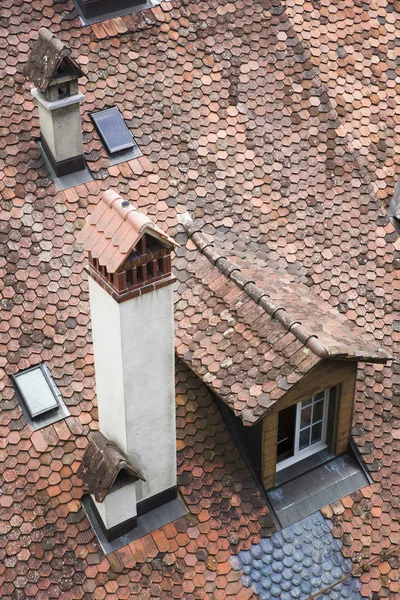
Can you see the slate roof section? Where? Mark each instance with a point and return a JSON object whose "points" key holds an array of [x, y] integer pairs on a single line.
{"points": [[101, 464], [298, 562], [114, 229], [47, 56]]}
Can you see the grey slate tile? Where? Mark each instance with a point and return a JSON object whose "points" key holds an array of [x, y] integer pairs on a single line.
{"points": [[300, 560]]}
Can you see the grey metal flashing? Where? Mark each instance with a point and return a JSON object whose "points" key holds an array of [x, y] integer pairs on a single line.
{"points": [[312, 491], [66, 181], [358, 456], [304, 466], [124, 156], [145, 524]]}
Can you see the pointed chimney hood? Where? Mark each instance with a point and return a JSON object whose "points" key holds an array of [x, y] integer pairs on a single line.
{"points": [[131, 300], [55, 74]]}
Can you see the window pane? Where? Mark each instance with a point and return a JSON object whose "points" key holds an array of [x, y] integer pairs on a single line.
{"points": [[113, 129], [318, 411], [316, 433], [306, 403], [304, 441], [305, 417], [319, 396], [36, 391]]}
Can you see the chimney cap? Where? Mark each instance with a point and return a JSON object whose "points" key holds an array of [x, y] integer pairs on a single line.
{"points": [[101, 465], [115, 227], [47, 57]]}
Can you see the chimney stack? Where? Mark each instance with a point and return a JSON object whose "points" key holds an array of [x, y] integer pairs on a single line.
{"points": [[55, 75], [131, 300]]}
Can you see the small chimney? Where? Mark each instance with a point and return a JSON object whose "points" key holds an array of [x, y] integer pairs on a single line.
{"points": [[55, 74], [131, 300]]}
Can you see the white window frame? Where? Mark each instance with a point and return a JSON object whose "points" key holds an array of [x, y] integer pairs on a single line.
{"points": [[314, 448]]}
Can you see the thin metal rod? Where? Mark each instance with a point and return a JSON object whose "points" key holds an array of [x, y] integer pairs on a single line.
{"points": [[384, 556]]}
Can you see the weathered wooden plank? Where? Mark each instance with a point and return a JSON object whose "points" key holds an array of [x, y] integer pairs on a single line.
{"points": [[345, 412], [325, 375], [270, 439]]}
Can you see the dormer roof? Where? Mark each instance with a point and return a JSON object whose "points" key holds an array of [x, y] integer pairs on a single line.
{"points": [[251, 334], [115, 228], [48, 58], [101, 464]]}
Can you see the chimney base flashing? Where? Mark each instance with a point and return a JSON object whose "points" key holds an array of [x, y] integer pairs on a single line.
{"points": [[66, 181], [63, 167], [157, 500], [116, 531], [129, 530]]}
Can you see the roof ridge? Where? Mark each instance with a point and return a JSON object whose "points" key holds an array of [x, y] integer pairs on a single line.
{"points": [[259, 296]]}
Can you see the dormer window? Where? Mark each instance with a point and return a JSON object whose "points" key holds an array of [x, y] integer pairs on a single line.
{"points": [[302, 429], [38, 396], [301, 450]]}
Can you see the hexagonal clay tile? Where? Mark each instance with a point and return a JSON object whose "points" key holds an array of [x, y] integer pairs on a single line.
{"points": [[275, 126]]}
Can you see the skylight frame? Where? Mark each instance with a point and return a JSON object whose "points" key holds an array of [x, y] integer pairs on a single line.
{"points": [[113, 112], [34, 413], [56, 412]]}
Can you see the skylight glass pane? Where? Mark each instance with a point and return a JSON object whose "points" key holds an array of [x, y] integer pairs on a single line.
{"points": [[36, 391], [113, 130]]}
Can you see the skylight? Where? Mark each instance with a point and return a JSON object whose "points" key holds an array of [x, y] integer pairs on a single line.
{"points": [[39, 397], [113, 130], [95, 11], [36, 391]]}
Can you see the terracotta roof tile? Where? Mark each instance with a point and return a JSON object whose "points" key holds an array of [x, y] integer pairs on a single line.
{"points": [[233, 344], [48, 54], [114, 229], [101, 464], [277, 126]]}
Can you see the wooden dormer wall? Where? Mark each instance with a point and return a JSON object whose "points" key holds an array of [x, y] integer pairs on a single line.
{"points": [[327, 374]]}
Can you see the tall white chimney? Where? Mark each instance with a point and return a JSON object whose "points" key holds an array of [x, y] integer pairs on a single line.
{"points": [[131, 301]]}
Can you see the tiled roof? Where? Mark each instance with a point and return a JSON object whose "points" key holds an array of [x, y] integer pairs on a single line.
{"points": [[251, 332], [48, 549], [233, 344], [264, 120], [114, 228], [355, 48], [46, 58], [101, 464]]}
